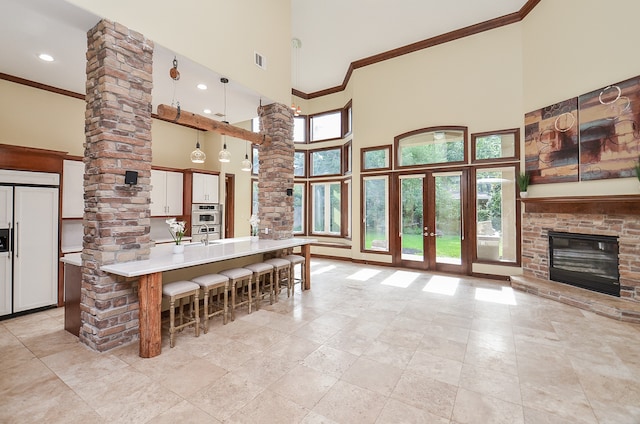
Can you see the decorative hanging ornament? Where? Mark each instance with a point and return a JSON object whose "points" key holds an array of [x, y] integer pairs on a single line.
{"points": [[173, 72]]}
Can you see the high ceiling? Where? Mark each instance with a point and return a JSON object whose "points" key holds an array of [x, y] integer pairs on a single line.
{"points": [[332, 34]]}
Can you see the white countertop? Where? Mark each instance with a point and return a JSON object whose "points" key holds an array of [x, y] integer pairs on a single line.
{"points": [[162, 258]]}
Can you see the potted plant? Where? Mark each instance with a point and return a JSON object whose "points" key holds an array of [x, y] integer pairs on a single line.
{"points": [[176, 229], [523, 183]]}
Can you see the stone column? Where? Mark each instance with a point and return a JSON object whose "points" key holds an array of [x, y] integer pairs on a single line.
{"points": [[117, 216], [276, 172]]}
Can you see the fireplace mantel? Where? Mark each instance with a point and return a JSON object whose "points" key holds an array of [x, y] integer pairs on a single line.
{"points": [[615, 205]]}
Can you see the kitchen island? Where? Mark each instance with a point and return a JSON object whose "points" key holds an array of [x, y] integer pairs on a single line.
{"points": [[162, 258]]}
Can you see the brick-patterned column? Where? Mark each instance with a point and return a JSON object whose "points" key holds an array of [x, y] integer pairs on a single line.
{"points": [[117, 217], [276, 172]]}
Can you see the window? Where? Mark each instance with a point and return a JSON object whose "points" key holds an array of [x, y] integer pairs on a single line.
{"points": [[431, 146], [376, 158], [299, 129], [255, 160], [347, 200], [325, 162], [348, 119], [255, 124], [496, 215], [326, 217], [375, 195], [347, 157], [298, 208], [254, 197], [326, 126], [496, 145], [299, 163]]}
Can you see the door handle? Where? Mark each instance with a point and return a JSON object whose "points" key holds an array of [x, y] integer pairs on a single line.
{"points": [[17, 239]]}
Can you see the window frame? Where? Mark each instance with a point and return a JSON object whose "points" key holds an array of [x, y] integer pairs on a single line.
{"points": [[366, 150], [347, 158], [389, 190], [305, 210], [310, 162], [516, 147], [320, 114], [465, 137], [312, 203]]}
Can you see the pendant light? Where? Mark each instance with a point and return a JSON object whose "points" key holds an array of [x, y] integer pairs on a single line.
{"points": [[246, 163], [198, 156], [224, 155], [296, 44]]}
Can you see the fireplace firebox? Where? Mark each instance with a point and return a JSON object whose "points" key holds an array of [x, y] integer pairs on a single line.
{"points": [[584, 260]]}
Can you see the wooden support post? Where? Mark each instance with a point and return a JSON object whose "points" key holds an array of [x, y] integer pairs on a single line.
{"points": [[306, 252], [150, 297], [170, 114]]}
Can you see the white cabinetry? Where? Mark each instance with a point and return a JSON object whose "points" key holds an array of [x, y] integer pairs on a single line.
{"points": [[166, 194], [205, 188], [73, 189], [6, 210]]}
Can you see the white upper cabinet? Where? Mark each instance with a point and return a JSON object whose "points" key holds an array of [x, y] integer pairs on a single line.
{"points": [[72, 189], [166, 193], [205, 188]]}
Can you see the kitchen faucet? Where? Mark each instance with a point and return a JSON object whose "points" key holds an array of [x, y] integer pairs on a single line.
{"points": [[206, 239]]}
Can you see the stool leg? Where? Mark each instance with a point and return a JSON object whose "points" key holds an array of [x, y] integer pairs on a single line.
{"points": [[249, 291], [196, 310], [257, 279], [225, 317], [172, 317], [233, 300]]}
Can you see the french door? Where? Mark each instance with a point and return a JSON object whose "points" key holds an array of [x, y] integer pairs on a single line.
{"points": [[431, 221]]}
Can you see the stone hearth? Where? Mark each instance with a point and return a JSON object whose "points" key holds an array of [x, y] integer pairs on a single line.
{"points": [[614, 216]]}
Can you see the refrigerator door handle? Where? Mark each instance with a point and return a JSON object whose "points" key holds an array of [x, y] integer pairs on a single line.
{"points": [[15, 238], [9, 241]]}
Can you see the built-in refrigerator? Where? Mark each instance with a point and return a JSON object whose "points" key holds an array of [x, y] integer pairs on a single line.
{"points": [[28, 241]]}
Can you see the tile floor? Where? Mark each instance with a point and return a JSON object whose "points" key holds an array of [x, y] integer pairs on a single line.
{"points": [[366, 345]]}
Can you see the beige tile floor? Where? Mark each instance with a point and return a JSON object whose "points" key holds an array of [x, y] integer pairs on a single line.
{"points": [[366, 345]]}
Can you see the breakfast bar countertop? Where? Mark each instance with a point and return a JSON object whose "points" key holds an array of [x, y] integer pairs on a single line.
{"points": [[162, 258]]}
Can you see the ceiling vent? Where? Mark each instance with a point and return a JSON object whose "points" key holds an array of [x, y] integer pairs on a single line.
{"points": [[260, 60]]}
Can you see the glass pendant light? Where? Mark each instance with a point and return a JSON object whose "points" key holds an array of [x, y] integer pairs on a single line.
{"points": [[246, 163], [198, 156], [224, 155]]}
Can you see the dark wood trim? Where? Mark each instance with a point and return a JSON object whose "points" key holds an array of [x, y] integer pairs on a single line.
{"points": [[491, 276], [229, 205], [41, 86], [31, 159], [421, 45], [613, 205], [364, 150], [398, 138], [516, 146]]}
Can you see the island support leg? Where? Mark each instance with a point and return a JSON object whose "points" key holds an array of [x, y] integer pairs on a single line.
{"points": [[306, 252], [150, 297]]}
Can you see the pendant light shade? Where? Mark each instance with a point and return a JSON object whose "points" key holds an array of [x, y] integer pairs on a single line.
{"points": [[246, 163], [224, 155], [198, 156]]}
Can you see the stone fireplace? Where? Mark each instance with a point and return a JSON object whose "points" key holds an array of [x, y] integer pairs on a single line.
{"points": [[616, 217]]}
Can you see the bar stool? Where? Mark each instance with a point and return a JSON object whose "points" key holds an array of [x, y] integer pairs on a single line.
{"points": [[261, 271], [179, 291], [239, 278], [281, 273], [297, 260], [211, 284]]}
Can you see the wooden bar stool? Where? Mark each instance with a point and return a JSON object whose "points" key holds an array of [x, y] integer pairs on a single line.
{"points": [[262, 271], [297, 260], [281, 274], [211, 284], [179, 291], [239, 278]]}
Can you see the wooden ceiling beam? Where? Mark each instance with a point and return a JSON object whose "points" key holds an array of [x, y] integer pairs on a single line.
{"points": [[170, 114]]}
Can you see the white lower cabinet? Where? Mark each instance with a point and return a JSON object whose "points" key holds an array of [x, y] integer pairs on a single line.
{"points": [[166, 193]]}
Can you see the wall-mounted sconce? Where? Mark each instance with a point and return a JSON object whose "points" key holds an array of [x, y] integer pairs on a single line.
{"points": [[289, 192]]}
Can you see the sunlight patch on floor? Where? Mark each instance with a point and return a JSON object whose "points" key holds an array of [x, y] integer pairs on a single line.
{"points": [[323, 269], [401, 279], [440, 284], [364, 274], [503, 296]]}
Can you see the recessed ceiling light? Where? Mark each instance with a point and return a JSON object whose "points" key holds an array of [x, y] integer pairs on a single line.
{"points": [[207, 111], [45, 57], [202, 86]]}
